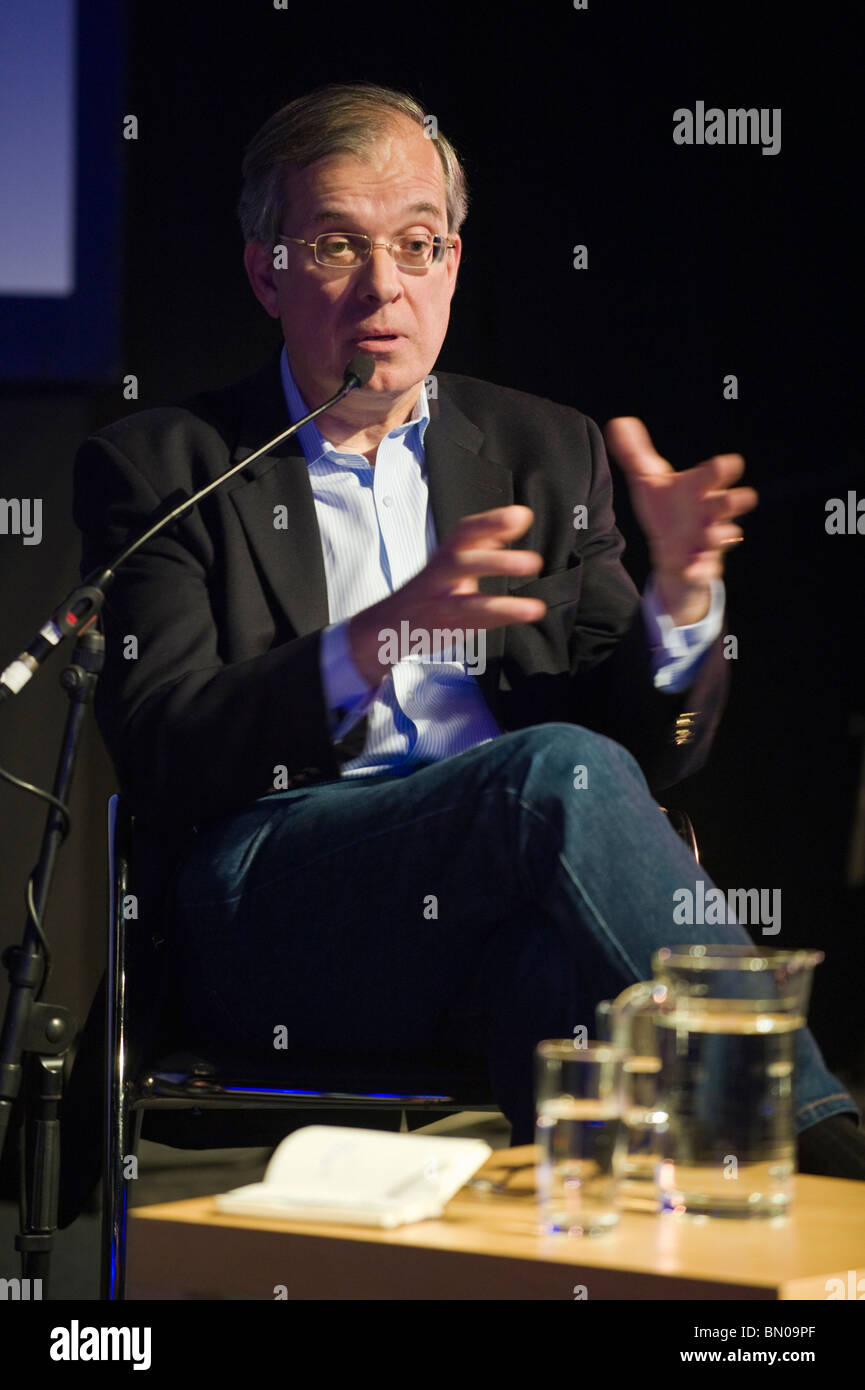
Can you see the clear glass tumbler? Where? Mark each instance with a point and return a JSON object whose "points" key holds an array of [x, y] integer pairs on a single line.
{"points": [[580, 1132]]}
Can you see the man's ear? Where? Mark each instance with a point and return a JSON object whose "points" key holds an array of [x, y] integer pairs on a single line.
{"points": [[258, 260], [455, 257]]}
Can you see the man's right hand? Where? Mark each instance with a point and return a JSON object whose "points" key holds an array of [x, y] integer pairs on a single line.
{"points": [[445, 595]]}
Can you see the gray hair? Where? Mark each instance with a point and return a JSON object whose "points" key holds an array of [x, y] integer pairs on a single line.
{"points": [[344, 118]]}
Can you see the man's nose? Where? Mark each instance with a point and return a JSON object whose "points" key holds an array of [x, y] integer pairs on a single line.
{"points": [[378, 277]]}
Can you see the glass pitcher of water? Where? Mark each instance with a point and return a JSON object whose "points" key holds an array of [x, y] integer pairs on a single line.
{"points": [[708, 1103]]}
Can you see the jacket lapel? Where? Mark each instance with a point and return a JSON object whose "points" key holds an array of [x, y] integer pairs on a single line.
{"points": [[290, 557], [461, 482]]}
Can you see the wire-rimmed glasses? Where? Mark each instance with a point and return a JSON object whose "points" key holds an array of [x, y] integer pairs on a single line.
{"points": [[347, 250]]}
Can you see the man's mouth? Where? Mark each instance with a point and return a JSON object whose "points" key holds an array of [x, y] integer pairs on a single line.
{"points": [[377, 338]]}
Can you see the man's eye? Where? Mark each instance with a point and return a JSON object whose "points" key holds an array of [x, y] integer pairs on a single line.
{"points": [[338, 250], [415, 245]]}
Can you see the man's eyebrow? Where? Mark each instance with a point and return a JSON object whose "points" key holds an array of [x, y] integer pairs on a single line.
{"points": [[426, 207], [337, 214]]}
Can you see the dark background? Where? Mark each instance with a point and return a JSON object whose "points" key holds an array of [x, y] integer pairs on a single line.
{"points": [[702, 261]]}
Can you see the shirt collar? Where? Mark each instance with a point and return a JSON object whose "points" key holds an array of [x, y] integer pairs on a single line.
{"points": [[313, 442]]}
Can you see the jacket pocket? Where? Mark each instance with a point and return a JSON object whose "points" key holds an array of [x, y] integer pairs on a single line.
{"points": [[562, 586]]}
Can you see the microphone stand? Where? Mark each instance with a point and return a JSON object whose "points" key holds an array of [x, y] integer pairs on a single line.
{"points": [[36, 1036]]}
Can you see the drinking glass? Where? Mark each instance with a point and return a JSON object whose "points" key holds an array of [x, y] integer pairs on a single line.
{"points": [[578, 1101]]}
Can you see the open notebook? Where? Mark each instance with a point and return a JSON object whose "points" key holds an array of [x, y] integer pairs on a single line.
{"points": [[361, 1177]]}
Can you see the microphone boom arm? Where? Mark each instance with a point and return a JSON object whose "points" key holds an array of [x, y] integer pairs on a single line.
{"points": [[82, 607]]}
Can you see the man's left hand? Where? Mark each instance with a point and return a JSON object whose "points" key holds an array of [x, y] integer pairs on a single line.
{"points": [[687, 517]]}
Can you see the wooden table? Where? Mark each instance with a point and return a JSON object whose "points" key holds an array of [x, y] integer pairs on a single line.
{"points": [[486, 1246]]}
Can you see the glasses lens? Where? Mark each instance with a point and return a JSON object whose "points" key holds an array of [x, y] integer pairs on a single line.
{"points": [[413, 252], [341, 248]]}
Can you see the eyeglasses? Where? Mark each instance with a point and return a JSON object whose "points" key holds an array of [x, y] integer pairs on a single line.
{"points": [[346, 250]]}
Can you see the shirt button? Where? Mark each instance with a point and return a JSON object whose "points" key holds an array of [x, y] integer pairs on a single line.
{"points": [[388, 501]]}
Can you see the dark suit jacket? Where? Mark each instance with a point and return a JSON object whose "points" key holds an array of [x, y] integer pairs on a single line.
{"points": [[227, 608], [221, 683]]}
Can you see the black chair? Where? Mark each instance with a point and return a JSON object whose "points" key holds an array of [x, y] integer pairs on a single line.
{"points": [[373, 1092], [683, 826], [142, 1076]]}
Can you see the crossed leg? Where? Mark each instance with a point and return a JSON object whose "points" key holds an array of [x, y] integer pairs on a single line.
{"points": [[493, 897]]}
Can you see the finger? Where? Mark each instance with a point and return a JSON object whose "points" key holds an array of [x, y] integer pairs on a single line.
{"points": [[721, 470], [500, 524], [468, 564], [709, 531], [714, 543], [492, 611], [631, 446], [720, 505], [739, 500], [717, 537]]}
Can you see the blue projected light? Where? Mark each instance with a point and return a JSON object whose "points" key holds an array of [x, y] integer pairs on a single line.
{"points": [[37, 148], [331, 1095], [61, 81]]}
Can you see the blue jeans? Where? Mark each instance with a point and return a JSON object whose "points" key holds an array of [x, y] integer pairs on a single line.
{"points": [[480, 903]]}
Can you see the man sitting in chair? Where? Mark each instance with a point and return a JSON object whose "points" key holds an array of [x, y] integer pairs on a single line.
{"points": [[394, 702]]}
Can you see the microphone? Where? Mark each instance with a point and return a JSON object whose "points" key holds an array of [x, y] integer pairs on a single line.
{"points": [[360, 369], [77, 612]]}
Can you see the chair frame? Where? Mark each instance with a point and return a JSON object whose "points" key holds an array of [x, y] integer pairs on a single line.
{"points": [[160, 1086]]}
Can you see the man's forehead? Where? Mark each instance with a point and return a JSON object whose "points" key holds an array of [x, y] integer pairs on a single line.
{"points": [[400, 165], [325, 213]]}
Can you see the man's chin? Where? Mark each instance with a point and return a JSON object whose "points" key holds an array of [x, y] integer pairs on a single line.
{"points": [[390, 380]]}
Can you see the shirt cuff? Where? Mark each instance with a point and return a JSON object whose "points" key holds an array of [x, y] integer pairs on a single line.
{"points": [[678, 651], [347, 693]]}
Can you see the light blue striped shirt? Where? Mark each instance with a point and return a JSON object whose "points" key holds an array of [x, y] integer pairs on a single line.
{"points": [[377, 532]]}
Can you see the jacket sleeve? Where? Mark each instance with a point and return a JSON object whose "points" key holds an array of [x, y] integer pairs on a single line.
{"points": [[173, 713]]}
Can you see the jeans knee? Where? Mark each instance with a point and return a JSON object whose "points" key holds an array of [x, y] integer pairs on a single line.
{"points": [[578, 749]]}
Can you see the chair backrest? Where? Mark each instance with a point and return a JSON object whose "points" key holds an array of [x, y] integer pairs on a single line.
{"points": [[683, 826], [135, 1015]]}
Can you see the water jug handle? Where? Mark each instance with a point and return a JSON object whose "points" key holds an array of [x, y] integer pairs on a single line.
{"points": [[613, 1019]]}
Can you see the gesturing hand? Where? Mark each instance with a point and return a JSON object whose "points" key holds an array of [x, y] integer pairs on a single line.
{"points": [[687, 517], [445, 594]]}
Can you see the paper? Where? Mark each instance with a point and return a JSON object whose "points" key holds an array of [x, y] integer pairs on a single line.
{"points": [[359, 1177]]}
